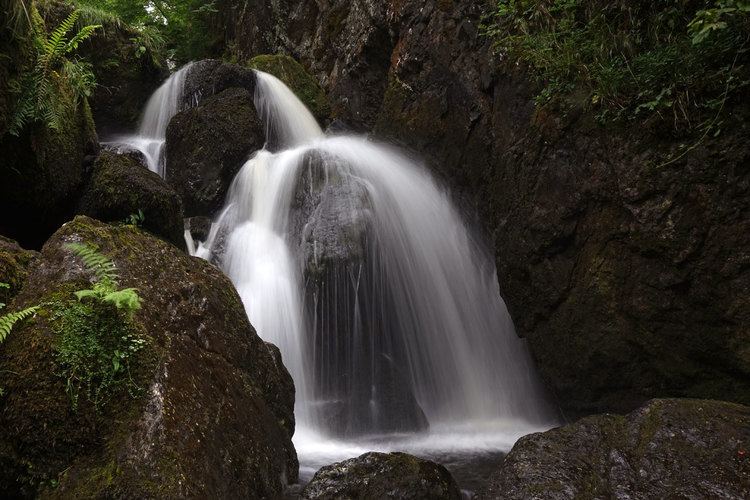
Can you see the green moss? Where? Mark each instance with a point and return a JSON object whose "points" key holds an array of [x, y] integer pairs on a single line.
{"points": [[296, 78]]}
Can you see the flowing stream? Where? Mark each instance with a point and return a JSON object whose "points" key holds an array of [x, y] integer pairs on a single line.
{"points": [[383, 301], [151, 137]]}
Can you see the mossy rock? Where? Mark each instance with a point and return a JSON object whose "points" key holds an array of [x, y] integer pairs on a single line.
{"points": [[383, 475], [206, 147], [14, 266], [294, 75], [120, 187], [214, 414], [669, 448]]}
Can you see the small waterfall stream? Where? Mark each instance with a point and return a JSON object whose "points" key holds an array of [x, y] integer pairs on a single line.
{"points": [[382, 299], [386, 307], [163, 104]]}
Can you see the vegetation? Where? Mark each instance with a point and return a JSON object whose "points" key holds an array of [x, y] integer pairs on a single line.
{"points": [[676, 60], [182, 29], [8, 321], [96, 336], [56, 84]]}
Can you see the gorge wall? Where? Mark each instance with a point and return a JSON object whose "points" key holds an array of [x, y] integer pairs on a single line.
{"points": [[620, 268]]}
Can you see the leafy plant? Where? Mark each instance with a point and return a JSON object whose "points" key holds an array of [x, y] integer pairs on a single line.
{"points": [[105, 289], [136, 219], [97, 338], [629, 60], [43, 92]]}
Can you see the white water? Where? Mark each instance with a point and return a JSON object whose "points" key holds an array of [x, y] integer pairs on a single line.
{"points": [[151, 137], [426, 286]]}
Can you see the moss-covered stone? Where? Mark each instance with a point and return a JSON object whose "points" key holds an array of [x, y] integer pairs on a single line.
{"points": [[383, 475], [14, 267], [669, 448], [206, 147], [120, 187], [214, 417], [294, 75]]}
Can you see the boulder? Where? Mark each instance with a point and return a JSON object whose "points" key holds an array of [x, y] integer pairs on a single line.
{"points": [[383, 475], [120, 186], [14, 267], [330, 220], [206, 147], [294, 75], [669, 448], [204, 409], [210, 77]]}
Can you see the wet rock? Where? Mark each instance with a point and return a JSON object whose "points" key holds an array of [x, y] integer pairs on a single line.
{"points": [[14, 266], [668, 448], [209, 413], [211, 76], [121, 187], [305, 87], [350, 302], [206, 147], [383, 475], [199, 227]]}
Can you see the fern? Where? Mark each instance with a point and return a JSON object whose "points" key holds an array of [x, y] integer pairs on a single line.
{"points": [[99, 264], [8, 321], [42, 90], [107, 280]]}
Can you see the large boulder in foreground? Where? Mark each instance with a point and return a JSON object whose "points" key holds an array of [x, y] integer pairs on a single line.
{"points": [[383, 475], [206, 147], [204, 409], [669, 448], [120, 186]]}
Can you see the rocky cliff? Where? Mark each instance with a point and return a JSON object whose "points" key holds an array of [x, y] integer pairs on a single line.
{"points": [[621, 255]]}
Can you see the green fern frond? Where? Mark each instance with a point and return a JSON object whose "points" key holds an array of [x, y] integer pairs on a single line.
{"points": [[8, 321], [104, 269], [79, 37], [126, 299], [55, 45]]}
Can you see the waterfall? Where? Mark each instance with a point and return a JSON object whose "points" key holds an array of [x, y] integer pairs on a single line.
{"points": [[163, 104], [383, 301]]}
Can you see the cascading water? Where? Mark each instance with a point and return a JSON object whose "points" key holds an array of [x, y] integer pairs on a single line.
{"points": [[351, 259], [163, 104]]}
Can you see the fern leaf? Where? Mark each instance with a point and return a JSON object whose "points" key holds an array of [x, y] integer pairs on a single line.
{"points": [[104, 269], [55, 45], [8, 321], [126, 299], [79, 37]]}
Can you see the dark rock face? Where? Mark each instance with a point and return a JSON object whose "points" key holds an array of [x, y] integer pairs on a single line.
{"points": [[626, 272], [304, 86], [120, 186], [42, 172], [666, 449], [14, 266], [362, 379], [206, 147], [214, 418], [383, 475], [211, 76]]}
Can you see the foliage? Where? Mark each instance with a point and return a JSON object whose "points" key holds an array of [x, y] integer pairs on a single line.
{"points": [[136, 219], [183, 29], [56, 84], [97, 338], [630, 59], [94, 349], [8, 321], [105, 289]]}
